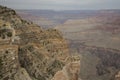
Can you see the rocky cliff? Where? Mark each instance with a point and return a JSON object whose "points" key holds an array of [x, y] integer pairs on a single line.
{"points": [[28, 52]]}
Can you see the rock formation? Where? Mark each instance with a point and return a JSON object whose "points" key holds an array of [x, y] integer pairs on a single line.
{"points": [[34, 53], [117, 76], [69, 72]]}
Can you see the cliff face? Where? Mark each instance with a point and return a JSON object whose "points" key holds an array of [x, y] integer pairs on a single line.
{"points": [[10, 68], [27, 52]]}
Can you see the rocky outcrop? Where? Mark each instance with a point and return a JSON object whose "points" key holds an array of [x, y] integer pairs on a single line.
{"points": [[8, 61], [69, 72], [28, 52], [10, 68], [38, 62]]}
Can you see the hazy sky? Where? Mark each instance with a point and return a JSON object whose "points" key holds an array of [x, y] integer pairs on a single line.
{"points": [[62, 4]]}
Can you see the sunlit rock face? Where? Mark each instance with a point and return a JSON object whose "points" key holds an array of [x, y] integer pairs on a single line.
{"points": [[69, 72]]}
